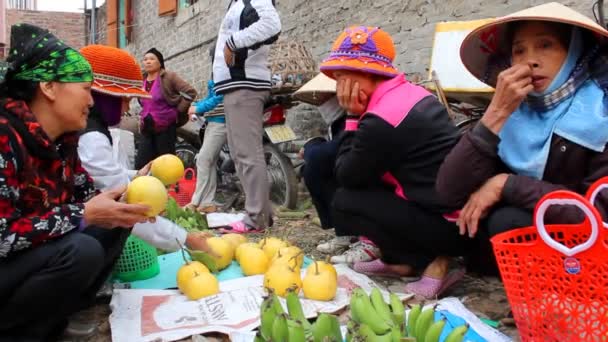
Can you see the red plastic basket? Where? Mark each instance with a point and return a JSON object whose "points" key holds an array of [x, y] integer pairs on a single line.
{"points": [[184, 189], [556, 276]]}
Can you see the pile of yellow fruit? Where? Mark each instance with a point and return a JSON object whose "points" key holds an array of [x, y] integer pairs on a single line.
{"points": [[276, 259], [281, 264]]}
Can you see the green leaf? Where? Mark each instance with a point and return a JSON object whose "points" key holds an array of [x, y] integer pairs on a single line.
{"points": [[203, 257], [172, 209], [201, 221]]}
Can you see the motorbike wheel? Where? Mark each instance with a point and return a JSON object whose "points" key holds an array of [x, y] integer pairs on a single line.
{"points": [[282, 177], [187, 153]]}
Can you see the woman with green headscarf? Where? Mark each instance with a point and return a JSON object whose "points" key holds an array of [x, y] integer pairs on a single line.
{"points": [[56, 242]]}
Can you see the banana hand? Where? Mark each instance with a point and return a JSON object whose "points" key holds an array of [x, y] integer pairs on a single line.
{"points": [[397, 312], [380, 305], [368, 315], [295, 331], [396, 334], [412, 317], [424, 322], [279, 328], [353, 298], [335, 333], [258, 338], [322, 327], [267, 318], [457, 335], [367, 334], [278, 308], [432, 335], [294, 307]]}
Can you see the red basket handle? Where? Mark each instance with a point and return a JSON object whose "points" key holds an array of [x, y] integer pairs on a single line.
{"points": [[563, 197], [190, 171], [594, 190]]}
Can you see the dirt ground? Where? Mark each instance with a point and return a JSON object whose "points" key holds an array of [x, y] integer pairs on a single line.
{"points": [[484, 296]]}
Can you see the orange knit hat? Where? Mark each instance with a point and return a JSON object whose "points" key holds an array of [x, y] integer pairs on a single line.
{"points": [[115, 71], [364, 49]]}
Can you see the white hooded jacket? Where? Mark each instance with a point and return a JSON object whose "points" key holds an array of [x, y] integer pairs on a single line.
{"points": [[246, 29]]}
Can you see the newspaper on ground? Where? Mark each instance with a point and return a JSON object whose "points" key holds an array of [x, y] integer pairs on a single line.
{"points": [[167, 315]]}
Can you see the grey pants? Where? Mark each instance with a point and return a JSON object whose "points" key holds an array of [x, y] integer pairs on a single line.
{"points": [[206, 173], [244, 122]]}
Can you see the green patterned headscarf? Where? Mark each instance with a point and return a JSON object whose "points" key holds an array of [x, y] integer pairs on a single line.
{"points": [[37, 55]]}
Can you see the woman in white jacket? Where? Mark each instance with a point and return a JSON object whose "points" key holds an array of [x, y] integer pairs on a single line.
{"points": [[117, 78]]}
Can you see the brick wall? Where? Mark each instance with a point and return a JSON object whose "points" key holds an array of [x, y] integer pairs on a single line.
{"points": [[67, 26], [184, 39]]}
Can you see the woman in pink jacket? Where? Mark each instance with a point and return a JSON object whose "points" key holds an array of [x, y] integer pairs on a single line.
{"points": [[397, 134]]}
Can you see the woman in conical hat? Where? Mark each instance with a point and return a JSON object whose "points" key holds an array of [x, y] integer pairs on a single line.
{"points": [[546, 127]]}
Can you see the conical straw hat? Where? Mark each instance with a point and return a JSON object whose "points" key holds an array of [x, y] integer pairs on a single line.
{"points": [[316, 91], [489, 40]]}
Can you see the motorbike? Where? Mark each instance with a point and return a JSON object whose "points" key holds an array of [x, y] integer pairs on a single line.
{"points": [[281, 174]]}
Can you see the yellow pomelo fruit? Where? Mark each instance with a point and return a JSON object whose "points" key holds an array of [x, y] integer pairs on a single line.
{"points": [[235, 239], [254, 261], [168, 168], [201, 285], [188, 271], [223, 249], [280, 278], [243, 246], [323, 267], [271, 245], [149, 191]]}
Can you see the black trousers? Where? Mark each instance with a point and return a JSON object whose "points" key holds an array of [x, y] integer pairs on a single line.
{"points": [[153, 144], [405, 232], [319, 178], [480, 258], [41, 287]]}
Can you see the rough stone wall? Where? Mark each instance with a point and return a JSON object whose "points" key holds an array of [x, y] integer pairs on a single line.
{"points": [[67, 26], [185, 38]]}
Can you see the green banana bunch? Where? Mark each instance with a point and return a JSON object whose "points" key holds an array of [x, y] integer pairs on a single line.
{"points": [[396, 334], [267, 317], [276, 303], [364, 333], [350, 330], [380, 305], [258, 338], [295, 331], [353, 315], [412, 317], [363, 312], [279, 328], [457, 335], [424, 321], [434, 332], [326, 329], [397, 312], [294, 307]]}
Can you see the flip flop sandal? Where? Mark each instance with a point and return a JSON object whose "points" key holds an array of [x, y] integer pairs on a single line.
{"points": [[239, 227], [431, 288]]}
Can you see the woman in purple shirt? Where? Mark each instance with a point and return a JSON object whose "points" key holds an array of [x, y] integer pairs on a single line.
{"points": [[161, 113]]}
